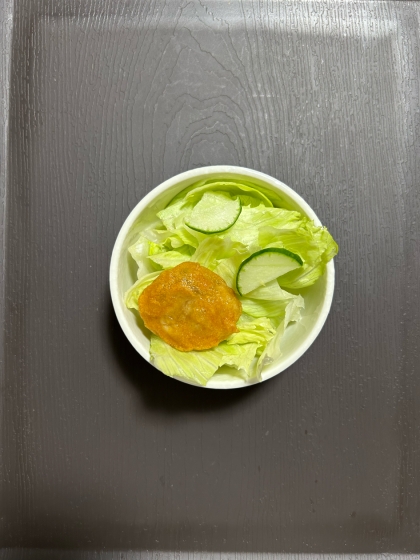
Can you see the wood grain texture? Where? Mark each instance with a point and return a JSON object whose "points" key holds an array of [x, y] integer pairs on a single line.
{"points": [[39, 554], [100, 452], [6, 22]]}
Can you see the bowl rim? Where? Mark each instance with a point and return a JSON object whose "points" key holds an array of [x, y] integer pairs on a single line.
{"points": [[118, 304]]}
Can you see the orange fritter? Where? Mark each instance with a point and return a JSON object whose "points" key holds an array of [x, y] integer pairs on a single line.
{"points": [[190, 307]]}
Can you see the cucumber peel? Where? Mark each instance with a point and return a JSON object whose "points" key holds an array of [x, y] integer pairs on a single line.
{"points": [[263, 267]]}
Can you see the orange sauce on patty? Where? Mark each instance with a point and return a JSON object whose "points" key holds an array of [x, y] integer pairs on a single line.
{"points": [[190, 307]]}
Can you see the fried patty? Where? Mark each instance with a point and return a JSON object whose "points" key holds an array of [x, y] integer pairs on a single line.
{"points": [[190, 307]]}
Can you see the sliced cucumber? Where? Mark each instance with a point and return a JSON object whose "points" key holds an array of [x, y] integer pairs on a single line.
{"points": [[214, 213], [263, 266]]}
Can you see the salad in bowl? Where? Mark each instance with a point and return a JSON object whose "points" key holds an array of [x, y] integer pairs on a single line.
{"points": [[219, 272]]}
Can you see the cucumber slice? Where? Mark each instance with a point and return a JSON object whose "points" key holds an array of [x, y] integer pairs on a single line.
{"points": [[214, 213], [263, 266]]}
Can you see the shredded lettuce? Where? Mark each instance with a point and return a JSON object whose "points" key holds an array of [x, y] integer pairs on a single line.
{"points": [[313, 244], [228, 267], [213, 251], [249, 195], [259, 331], [265, 221], [271, 290], [273, 349], [200, 366], [264, 307], [169, 259]]}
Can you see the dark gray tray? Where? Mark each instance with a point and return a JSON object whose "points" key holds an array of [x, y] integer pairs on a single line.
{"points": [[99, 452]]}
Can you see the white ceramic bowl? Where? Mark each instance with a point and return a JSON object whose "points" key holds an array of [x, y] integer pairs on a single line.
{"points": [[318, 298]]}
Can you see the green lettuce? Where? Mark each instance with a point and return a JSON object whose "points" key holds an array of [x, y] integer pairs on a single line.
{"points": [[169, 259], [259, 331], [200, 366], [227, 268], [267, 310], [273, 309], [314, 244], [273, 349], [131, 297], [217, 253], [267, 301], [248, 195]]}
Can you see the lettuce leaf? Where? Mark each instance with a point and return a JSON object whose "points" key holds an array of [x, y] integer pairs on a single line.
{"points": [[173, 239], [139, 250], [273, 350], [221, 255], [169, 259], [239, 187], [312, 243], [271, 290], [173, 217], [131, 297], [305, 277], [259, 331], [228, 268], [263, 307], [248, 195], [267, 310], [267, 301], [247, 226], [200, 366]]}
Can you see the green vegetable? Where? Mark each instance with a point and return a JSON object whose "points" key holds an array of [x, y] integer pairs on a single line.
{"points": [[267, 301], [273, 351], [263, 307], [247, 194], [215, 251], [263, 266], [270, 290], [313, 244], [259, 331], [258, 245], [214, 213], [251, 220], [169, 259], [131, 297], [200, 366]]}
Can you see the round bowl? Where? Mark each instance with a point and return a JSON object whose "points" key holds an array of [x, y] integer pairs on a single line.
{"points": [[298, 337]]}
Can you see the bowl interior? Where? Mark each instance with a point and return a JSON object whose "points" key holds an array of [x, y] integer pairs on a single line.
{"points": [[298, 337]]}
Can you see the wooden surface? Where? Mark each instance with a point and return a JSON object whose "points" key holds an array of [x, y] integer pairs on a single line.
{"points": [[99, 451], [54, 554]]}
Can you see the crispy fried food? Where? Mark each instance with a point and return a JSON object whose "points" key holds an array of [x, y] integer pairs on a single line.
{"points": [[190, 307]]}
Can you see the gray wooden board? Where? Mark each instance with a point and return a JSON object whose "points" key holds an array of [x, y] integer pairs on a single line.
{"points": [[99, 451], [55, 554]]}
